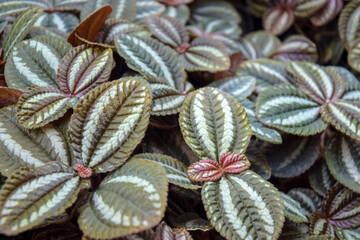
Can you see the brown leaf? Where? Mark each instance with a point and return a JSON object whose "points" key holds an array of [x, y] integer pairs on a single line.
{"points": [[234, 163], [205, 170], [9, 96]]}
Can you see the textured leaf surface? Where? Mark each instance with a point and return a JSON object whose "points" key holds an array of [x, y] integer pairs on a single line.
{"points": [[9, 96], [62, 21], [205, 54], [20, 28], [309, 200], [121, 9], [353, 57], [320, 228], [286, 108], [241, 86], [35, 62], [348, 234], [84, 68], [259, 44], [28, 148], [127, 201], [348, 25], [181, 13], [164, 232], [175, 170], [31, 196], [150, 57], [146, 8], [234, 163], [277, 20], [293, 210], [294, 156], [15, 7], [320, 178], [259, 163], [213, 122], [109, 122], [327, 12], [40, 106], [306, 8], [244, 205], [205, 170], [294, 231]]}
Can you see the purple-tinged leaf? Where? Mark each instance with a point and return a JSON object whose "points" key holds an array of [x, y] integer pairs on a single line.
{"points": [[9, 96], [175, 2], [234, 163], [320, 226], [327, 13], [164, 232], [278, 20], [205, 170]]}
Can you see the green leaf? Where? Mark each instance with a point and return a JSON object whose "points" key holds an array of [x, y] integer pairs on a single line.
{"points": [[29, 148], [344, 116], [181, 13], [122, 9], [258, 44], [31, 196], [352, 88], [306, 8], [293, 210], [20, 28], [348, 234], [40, 31], [164, 232], [62, 21], [277, 20], [244, 205], [35, 62], [343, 160], [109, 122], [294, 231], [319, 226], [175, 170], [40, 106], [146, 8], [259, 163], [84, 68], [309, 200], [327, 13], [353, 57], [205, 54], [242, 86], [320, 178], [294, 156], [286, 108], [127, 201], [14, 7], [213, 122], [151, 57], [349, 27], [221, 27]]}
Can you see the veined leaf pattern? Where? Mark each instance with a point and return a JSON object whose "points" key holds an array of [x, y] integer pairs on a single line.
{"points": [[293, 210], [164, 232]]}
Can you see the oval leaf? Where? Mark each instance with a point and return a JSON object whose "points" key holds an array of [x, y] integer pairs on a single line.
{"points": [[320, 178], [349, 27], [327, 12], [278, 20], [308, 199], [293, 210], [164, 232], [238, 85], [205, 170], [234, 163], [320, 228], [146, 8]]}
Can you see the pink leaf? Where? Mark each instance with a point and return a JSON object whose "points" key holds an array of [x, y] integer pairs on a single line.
{"points": [[234, 163], [205, 170]]}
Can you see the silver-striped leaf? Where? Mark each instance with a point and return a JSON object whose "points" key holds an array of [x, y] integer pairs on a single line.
{"points": [[349, 27], [15, 7], [30, 196], [279, 19], [353, 57], [352, 88], [244, 206], [348, 234], [306, 8], [294, 156], [127, 201], [175, 170], [343, 160], [286, 108], [39, 31], [146, 8], [320, 178], [35, 62], [293, 210], [151, 57], [20, 28], [308, 199], [327, 13], [181, 13], [294, 231], [165, 232], [214, 122], [218, 27], [204, 54], [121, 9], [20, 147], [321, 228], [242, 86], [109, 122], [258, 44], [62, 21]]}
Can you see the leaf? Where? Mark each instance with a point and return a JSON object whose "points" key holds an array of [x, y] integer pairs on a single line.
{"points": [[35, 62], [109, 122], [320, 178], [175, 2], [181, 13], [319, 226], [40, 106], [293, 210], [20, 147], [66, 231], [192, 222], [204, 54], [19, 29], [146, 8], [127, 201], [69, 5], [31, 196], [234, 163], [205, 170], [348, 234], [89, 28], [286, 108], [348, 27], [168, 30], [341, 207], [344, 116], [84, 68], [150, 57], [39, 31], [164, 232], [294, 231], [278, 20], [58, 20], [259, 44], [244, 205], [213, 122], [318, 83], [259, 163], [306, 8], [175, 170], [309, 200], [114, 27], [14, 7], [353, 57], [296, 48], [352, 88], [327, 12], [9, 96], [242, 86], [235, 60], [294, 156], [343, 160]]}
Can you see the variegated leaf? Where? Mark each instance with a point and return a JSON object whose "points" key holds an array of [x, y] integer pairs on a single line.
{"points": [[204, 54], [349, 27], [348, 234], [259, 44], [341, 207], [66, 5], [216, 27], [146, 8], [352, 88], [35, 62], [19, 29], [286, 108], [344, 116], [306, 8], [343, 160], [244, 206], [181, 13], [84, 68], [259, 163], [309, 200], [296, 48], [15, 7], [30, 196], [319, 226], [58, 20], [320, 178], [151, 57], [41, 105], [39, 31], [205, 170], [294, 156], [164, 232], [240, 85], [127, 201], [293, 210], [9, 96], [114, 27], [327, 12], [213, 122], [109, 122], [353, 57], [168, 30], [278, 20], [192, 222], [258, 7], [294, 231], [318, 83], [176, 2], [175, 170], [29, 148]]}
